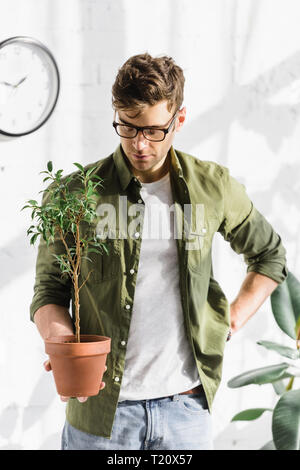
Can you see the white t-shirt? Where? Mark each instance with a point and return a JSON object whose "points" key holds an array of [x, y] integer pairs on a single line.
{"points": [[159, 360]]}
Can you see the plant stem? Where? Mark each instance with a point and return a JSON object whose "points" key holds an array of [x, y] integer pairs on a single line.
{"points": [[291, 381], [77, 324], [67, 248], [76, 289], [290, 384], [298, 339], [85, 279]]}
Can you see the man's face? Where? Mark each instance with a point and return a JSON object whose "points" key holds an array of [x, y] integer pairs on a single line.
{"points": [[148, 159]]}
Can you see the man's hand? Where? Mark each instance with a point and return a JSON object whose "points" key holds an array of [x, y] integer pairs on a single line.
{"points": [[48, 367]]}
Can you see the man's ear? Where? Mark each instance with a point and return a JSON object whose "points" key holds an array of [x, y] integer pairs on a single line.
{"points": [[180, 118]]}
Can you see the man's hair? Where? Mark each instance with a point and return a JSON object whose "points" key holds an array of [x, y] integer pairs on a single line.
{"points": [[146, 80]]}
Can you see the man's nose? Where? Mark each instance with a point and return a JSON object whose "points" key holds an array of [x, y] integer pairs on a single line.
{"points": [[140, 142]]}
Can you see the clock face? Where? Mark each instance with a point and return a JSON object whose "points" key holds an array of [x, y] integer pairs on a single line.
{"points": [[29, 85]]}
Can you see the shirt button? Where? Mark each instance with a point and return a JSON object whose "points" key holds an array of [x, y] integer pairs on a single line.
{"points": [[127, 307], [131, 271], [204, 230], [117, 379], [123, 343], [136, 234]]}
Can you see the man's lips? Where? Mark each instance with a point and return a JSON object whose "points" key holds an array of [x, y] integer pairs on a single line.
{"points": [[140, 156]]}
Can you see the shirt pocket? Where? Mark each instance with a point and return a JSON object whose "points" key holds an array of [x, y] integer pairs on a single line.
{"points": [[194, 246], [198, 245], [100, 267]]}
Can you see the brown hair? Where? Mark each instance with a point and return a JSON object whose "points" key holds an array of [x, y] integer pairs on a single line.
{"points": [[144, 79]]}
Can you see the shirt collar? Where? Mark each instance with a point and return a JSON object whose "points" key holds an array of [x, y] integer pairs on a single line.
{"points": [[125, 174]]}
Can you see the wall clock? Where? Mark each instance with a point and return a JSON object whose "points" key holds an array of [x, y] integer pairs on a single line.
{"points": [[29, 86]]}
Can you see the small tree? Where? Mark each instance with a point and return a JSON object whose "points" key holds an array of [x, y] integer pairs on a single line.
{"points": [[285, 304], [59, 217]]}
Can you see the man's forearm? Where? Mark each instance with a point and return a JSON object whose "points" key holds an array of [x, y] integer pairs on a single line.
{"points": [[53, 320], [254, 291]]}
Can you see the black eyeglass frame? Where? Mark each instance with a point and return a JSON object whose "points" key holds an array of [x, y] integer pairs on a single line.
{"points": [[165, 131]]}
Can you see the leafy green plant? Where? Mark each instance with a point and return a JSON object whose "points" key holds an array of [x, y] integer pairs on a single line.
{"points": [[59, 217], [285, 303]]}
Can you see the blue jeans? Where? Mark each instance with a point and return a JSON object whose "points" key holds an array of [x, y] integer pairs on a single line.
{"points": [[175, 422]]}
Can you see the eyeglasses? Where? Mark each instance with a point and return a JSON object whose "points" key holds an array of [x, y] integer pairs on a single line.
{"points": [[128, 131]]}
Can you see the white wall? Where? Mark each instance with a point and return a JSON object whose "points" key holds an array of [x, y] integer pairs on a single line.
{"points": [[242, 66]]}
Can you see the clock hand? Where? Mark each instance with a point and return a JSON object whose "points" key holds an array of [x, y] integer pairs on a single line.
{"points": [[19, 83], [6, 83]]}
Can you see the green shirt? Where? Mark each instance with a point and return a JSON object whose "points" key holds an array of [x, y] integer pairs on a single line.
{"points": [[107, 298]]}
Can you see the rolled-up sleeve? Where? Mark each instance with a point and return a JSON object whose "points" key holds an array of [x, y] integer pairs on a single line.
{"points": [[249, 233], [50, 287]]}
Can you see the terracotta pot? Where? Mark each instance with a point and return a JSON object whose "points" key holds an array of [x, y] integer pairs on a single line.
{"points": [[78, 368]]}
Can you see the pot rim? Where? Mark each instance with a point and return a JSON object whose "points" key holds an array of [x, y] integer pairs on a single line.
{"points": [[59, 345], [63, 339]]}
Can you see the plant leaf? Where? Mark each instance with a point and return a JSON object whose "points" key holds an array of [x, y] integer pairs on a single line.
{"points": [[286, 421], [279, 387], [94, 250], [90, 171], [285, 303], [33, 238], [268, 446], [260, 376], [49, 166], [283, 350], [79, 166], [250, 414]]}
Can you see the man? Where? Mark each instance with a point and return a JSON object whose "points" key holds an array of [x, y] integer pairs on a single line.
{"points": [[155, 294]]}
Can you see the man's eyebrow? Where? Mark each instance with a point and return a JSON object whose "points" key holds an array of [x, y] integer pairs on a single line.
{"points": [[128, 123]]}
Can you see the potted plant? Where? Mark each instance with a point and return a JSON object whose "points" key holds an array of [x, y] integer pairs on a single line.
{"points": [[78, 361], [285, 303]]}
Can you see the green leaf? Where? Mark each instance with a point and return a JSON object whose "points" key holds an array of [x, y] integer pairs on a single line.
{"points": [[68, 179], [79, 166], [94, 250], [260, 376], [282, 350], [286, 421], [31, 227], [105, 249], [268, 446], [90, 171], [285, 303], [33, 239], [33, 202], [85, 257], [90, 192], [49, 166], [98, 177], [58, 175], [250, 414], [279, 387], [98, 184]]}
